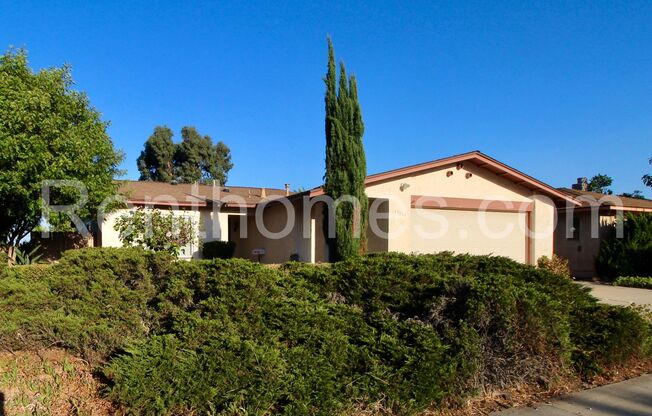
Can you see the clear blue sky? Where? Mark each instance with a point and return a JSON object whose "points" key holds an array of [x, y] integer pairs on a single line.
{"points": [[557, 90]]}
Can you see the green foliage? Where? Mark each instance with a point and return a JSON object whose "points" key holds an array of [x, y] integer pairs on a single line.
{"points": [[237, 337], [218, 249], [156, 161], [608, 335], [627, 256], [408, 331], [346, 166], [600, 183], [647, 179], [154, 230], [556, 265], [195, 159], [48, 131], [26, 256], [92, 302], [634, 281]]}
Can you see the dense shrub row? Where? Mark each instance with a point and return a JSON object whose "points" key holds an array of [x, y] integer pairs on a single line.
{"points": [[630, 255], [634, 281], [231, 336]]}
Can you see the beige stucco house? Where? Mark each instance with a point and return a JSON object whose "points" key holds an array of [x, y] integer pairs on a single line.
{"points": [[582, 227], [212, 208], [469, 203]]}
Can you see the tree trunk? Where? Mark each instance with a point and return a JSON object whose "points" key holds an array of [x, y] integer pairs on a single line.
{"points": [[11, 254]]}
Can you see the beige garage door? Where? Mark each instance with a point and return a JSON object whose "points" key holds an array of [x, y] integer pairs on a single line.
{"points": [[498, 233]]}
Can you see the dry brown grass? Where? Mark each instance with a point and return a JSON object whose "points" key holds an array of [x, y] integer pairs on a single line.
{"points": [[50, 382]]}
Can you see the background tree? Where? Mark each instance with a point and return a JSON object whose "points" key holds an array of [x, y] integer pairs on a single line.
{"points": [[346, 167], [647, 179], [195, 159], [636, 194], [48, 131], [628, 256], [154, 230], [600, 183], [156, 161]]}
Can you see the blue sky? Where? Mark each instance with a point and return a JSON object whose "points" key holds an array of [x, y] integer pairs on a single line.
{"points": [[556, 89]]}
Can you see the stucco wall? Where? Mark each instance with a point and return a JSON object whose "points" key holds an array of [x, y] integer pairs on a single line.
{"points": [[278, 245], [480, 184], [582, 251]]}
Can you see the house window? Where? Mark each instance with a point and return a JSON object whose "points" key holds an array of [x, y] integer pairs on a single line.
{"points": [[574, 232], [188, 250]]}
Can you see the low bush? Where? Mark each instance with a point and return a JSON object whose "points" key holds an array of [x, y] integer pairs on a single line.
{"points": [[556, 265], [236, 337], [606, 335], [634, 281], [218, 250]]}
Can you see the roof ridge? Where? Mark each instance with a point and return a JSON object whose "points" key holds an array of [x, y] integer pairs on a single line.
{"points": [[198, 184]]}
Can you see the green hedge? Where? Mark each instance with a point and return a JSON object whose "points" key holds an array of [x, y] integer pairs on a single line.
{"points": [[93, 302], [232, 336], [218, 250], [634, 281]]}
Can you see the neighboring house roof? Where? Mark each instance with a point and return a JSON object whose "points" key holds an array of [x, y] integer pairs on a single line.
{"points": [[614, 202], [194, 195], [476, 157]]}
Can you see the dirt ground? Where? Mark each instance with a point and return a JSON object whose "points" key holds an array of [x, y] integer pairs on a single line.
{"points": [[50, 382]]}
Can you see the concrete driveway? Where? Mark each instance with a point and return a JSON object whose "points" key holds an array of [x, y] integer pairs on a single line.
{"points": [[629, 398], [617, 295]]}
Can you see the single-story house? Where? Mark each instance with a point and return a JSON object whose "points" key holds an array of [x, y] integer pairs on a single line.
{"points": [[582, 228], [468, 203]]}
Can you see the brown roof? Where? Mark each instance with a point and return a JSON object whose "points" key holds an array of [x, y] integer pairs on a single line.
{"points": [[614, 201], [185, 194], [476, 157]]}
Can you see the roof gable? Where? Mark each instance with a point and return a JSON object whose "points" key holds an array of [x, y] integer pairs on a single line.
{"points": [[479, 159]]}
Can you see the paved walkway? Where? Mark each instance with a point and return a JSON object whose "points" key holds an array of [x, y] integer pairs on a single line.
{"points": [[629, 398], [618, 295]]}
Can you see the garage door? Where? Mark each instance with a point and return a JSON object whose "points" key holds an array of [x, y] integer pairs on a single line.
{"points": [[498, 233]]}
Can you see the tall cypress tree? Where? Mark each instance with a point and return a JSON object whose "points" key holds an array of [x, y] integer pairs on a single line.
{"points": [[346, 166]]}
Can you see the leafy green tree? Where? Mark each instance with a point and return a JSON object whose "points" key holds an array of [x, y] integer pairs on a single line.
{"points": [[600, 183], [156, 161], [48, 131], [154, 230], [195, 159], [647, 179], [346, 167]]}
